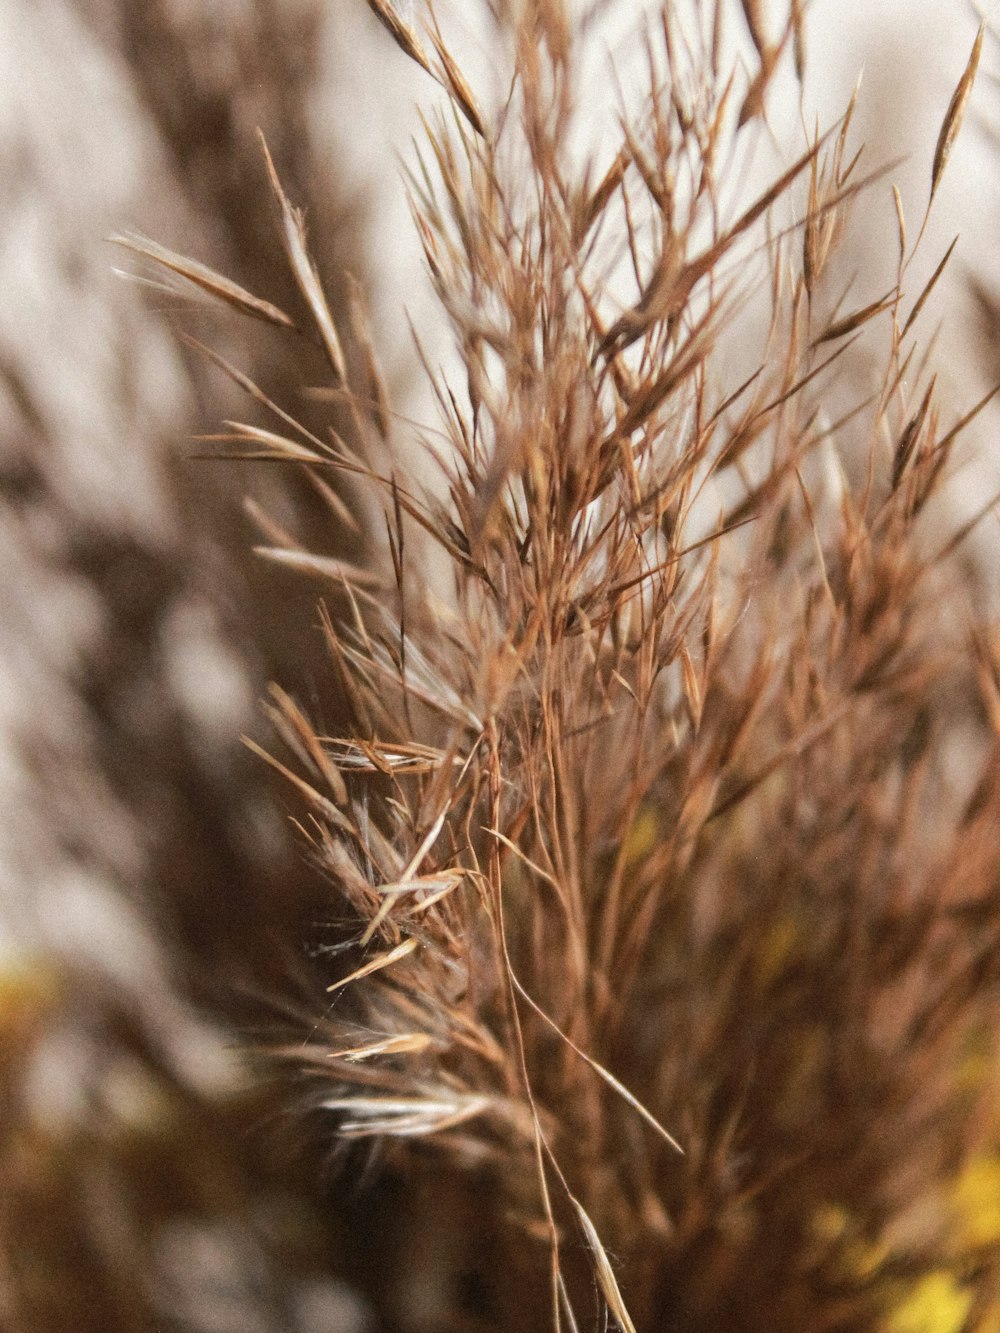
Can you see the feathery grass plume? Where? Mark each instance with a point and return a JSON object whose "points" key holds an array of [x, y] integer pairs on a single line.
{"points": [[666, 837]]}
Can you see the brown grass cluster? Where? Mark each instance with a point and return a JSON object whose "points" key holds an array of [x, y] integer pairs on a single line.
{"points": [[664, 841]]}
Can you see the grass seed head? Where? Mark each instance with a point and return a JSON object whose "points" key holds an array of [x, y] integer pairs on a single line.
{"points": [[646, 835]]}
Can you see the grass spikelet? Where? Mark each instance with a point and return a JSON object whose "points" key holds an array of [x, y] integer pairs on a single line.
{"points": [[606, 1279], [199, 275], [306, 275], [319, 565], [454, 81], [952, 122], [377, 963], [931, 283], [840, 328], [401, 32]]}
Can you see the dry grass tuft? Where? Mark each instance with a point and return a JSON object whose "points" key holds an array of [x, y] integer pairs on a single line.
{"points": [[673, 823]]}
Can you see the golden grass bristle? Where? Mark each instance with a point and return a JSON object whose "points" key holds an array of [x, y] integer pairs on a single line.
{"points": [[454, 82], [931, 283], [897, 200], [849, 323], [410, 1043], [316, 799], [319, 566], [292, 724], [374, 389], [305, 273], [272, 445], [952, 122], [224, 289], [253, 390], [377, 963], [401, 32], [605, 1274]]}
